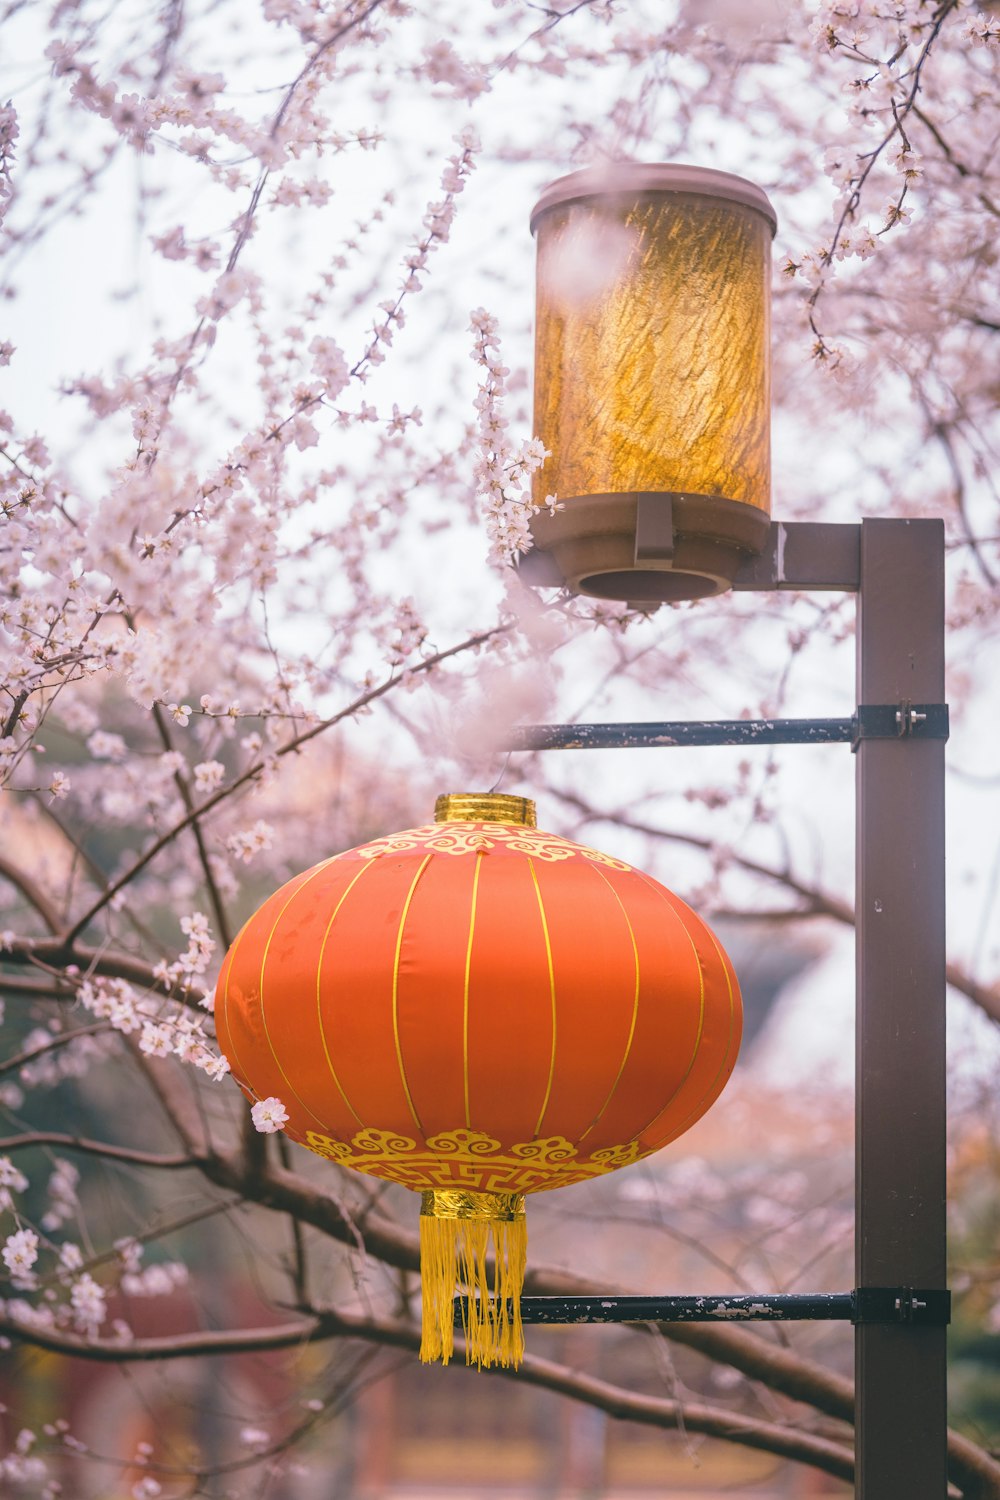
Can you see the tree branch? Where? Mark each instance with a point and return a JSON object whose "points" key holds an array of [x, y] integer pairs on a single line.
{"points": [[52, 955], [183, 787], [61, 990], [777, 1367], [97, 1148], [32, 893], [975, 1471], [735, 1427], [285, 1192], [167, 1082], [24, 1059]]}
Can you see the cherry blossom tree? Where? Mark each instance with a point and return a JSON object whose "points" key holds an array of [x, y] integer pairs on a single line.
{"points": [[266, 467]]}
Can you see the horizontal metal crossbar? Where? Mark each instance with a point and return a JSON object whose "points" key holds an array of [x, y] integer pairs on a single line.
{"points": [[872, 721], [692, 732], [782, 1308], [878, 1304]]}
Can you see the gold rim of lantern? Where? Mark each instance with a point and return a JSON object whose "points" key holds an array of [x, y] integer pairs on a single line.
{"points": [[484, 807]]}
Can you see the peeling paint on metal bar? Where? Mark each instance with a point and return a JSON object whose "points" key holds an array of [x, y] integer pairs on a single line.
{"points": [[899, 1305], [689, 732], [780, 1307]]}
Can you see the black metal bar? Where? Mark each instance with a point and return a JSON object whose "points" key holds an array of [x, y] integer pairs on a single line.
{"points": [[902, 720], [744, 1308], [873, 1304], [685, 732], [900, 1177]]}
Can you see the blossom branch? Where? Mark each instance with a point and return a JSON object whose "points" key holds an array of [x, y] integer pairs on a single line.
{"points": [[826, 256], [246, 221], [255, 770], [69, 962], [184, 788]]}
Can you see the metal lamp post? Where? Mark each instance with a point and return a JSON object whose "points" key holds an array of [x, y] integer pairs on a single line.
{"points": [[655, 334]]}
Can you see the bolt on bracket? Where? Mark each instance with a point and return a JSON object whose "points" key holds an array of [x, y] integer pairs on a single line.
{"points": [[901, 1304], [900, 721]]}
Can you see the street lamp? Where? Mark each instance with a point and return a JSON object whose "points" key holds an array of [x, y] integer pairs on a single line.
{"points": [[664, 487], [652, 379]]}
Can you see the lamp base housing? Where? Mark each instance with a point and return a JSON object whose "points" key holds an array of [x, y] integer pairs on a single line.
{"points": [[645, 547]]}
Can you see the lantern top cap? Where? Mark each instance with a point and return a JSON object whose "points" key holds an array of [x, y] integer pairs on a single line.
{"points": [[621, 179], [484, 807]]}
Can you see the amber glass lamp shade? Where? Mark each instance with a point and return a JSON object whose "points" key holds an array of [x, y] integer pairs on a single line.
{"points": [[652, 388]]}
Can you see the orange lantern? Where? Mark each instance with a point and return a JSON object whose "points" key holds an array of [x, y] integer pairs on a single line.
{"points": [[479, 1010]]}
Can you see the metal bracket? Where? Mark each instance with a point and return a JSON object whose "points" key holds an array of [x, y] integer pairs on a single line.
{"points": [[900, 721], [654, 528], [901, 1304]]}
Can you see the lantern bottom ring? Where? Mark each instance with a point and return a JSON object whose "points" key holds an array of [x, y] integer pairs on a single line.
{"points": [[456, 1203], [648, 546]]}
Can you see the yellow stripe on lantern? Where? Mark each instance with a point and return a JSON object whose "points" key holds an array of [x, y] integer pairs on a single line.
{"points": [[395, 991], [465, 996], [694, 1114], [263, 963], [661, 891], [635, 1006], [368, 865], [552, 992]]}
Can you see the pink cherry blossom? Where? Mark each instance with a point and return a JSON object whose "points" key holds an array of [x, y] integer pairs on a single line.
{"points": [[269, 1115]]}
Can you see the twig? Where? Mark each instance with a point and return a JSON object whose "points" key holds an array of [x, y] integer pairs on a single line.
{"points": [[98, 1148], [254, 771]]}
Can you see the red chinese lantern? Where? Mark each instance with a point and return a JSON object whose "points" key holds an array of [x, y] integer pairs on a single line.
{"points": [[479, 1010]]}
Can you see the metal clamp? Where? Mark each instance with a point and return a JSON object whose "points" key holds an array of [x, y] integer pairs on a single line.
{"points": [[899, 721], [901, 1304]]}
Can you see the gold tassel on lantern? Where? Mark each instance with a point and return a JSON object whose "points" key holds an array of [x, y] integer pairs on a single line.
{"points": [[457, 1229]]}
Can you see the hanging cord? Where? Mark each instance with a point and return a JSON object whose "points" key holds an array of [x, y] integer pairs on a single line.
{"points": [[503, 771]]}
